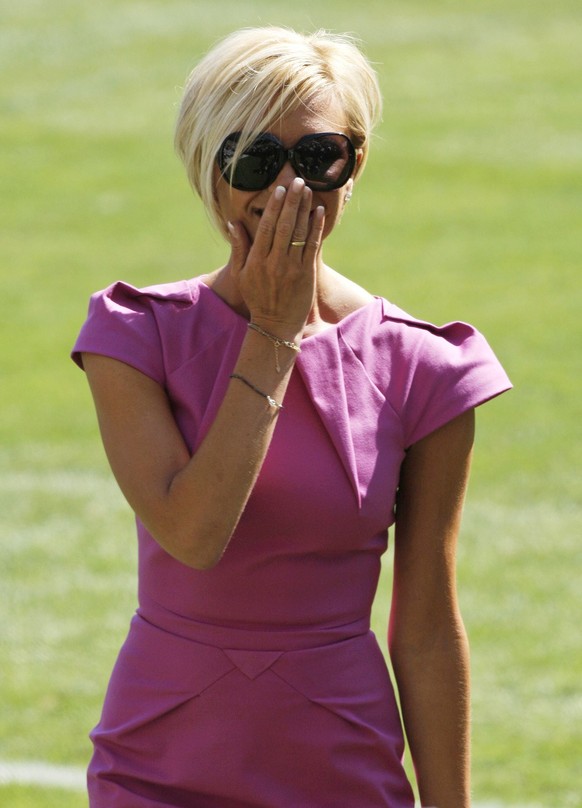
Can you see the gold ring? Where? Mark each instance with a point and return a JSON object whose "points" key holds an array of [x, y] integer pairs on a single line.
{"points": [[298, 243]]}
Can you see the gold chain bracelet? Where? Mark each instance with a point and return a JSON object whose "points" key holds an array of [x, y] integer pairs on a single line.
{"points": [[277, 343]]}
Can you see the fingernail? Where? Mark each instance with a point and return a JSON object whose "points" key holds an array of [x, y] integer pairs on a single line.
{"points": [[280, 191], [298, 183], [231, 228]]}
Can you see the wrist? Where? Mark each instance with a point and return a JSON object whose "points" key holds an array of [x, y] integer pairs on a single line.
{"points": [[278, 343], [284, 331]]}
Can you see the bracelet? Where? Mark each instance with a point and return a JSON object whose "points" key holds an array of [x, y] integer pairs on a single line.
{"points": [[270, 399], [276, 343]]}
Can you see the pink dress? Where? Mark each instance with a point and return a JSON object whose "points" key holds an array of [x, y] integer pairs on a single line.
{"points": [[258, 683]]}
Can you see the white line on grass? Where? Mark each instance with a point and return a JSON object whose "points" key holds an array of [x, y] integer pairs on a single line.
{"points": [[72, 778]]}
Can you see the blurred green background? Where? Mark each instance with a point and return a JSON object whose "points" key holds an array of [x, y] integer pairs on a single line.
{"points": [[470, 208]]}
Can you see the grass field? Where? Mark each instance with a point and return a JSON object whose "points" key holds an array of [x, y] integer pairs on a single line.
{"points": [[470, 208]]}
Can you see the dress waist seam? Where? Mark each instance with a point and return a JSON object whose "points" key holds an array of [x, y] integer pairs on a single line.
{"points": [[245, 638]]}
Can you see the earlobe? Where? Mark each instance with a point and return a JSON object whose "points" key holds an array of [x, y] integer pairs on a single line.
{"points": [[349, 191]]}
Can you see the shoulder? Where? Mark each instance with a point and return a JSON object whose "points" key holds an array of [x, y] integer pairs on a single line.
{"points": [[383, 332], [411, 329], [136, 325], [428, 373], [123, 297]]}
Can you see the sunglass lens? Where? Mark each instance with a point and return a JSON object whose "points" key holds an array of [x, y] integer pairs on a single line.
{"points": [[325, 162], [257, 166]]}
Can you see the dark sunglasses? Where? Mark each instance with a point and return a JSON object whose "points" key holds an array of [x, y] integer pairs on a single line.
{"points": [[325, 161]]}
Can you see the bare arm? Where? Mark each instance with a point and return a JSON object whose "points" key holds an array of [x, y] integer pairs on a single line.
{"points": [[192, 505], [427, 640]]}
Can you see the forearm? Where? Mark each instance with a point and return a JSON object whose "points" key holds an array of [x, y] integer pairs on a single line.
{"points": [[205, 499], [434, 687]]}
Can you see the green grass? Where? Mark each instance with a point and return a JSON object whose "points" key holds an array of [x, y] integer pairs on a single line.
{"points": [[24, 797], [469, 209]]}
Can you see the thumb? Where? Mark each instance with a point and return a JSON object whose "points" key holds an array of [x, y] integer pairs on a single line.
{"points": [[240, 245]]}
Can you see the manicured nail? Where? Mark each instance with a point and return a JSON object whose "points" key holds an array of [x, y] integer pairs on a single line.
{"points": [[231, 229], [280, 191], [298, 183]]}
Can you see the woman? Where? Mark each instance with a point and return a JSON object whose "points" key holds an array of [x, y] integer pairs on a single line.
{"points": [[268, 422]]}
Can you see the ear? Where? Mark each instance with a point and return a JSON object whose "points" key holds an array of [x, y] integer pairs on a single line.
{"points": [[359, 159]]}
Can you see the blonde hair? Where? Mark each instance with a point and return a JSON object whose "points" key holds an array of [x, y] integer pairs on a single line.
{"points": [[255, 76]]}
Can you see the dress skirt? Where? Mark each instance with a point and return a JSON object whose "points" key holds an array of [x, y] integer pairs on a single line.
{"points": [[297, 725]]}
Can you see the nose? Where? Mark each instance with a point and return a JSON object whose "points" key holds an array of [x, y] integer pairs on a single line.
{"points": [[285, 177]]}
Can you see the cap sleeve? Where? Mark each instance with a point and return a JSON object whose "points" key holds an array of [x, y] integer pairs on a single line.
{"points": [[122, 325], [443, 372]]}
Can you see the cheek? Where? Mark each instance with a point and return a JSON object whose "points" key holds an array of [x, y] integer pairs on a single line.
{"points": [[333, 214], [229, 206], [223, 201], [223, 196]]}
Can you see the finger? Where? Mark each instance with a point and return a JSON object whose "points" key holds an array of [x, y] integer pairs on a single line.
{"points": [[315, 235], [266, 230], [288, 218], [239, 246], [302, 222]]}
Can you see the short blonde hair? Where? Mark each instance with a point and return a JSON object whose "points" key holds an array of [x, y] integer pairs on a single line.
{"points": [[249, 80]]}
